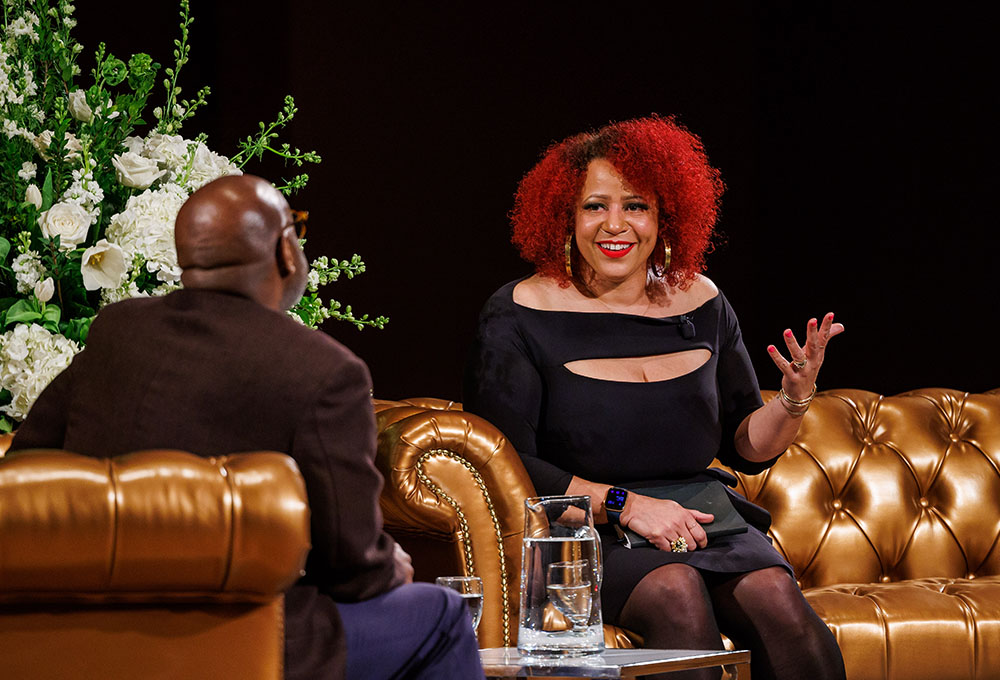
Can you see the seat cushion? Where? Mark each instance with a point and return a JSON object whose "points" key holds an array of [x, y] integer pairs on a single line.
{"points": [[920, 629]]}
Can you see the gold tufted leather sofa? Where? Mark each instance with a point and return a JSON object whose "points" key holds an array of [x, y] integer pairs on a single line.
{"points": [[887, 507], [156, 564]]}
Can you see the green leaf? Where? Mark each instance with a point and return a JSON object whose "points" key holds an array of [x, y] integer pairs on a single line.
{"points": [[22, 311], [77, 329], [52, 313], [6, 426], [4, 249], [47, 191]]}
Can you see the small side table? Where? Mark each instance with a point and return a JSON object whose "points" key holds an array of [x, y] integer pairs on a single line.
{"points": [[507, 662]]}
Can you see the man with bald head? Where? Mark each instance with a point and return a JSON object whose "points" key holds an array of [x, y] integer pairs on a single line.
{"points": [[218, 367]]}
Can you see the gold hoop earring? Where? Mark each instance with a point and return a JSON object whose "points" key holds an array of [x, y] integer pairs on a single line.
{"points": [[659, 270], [569, 255]]}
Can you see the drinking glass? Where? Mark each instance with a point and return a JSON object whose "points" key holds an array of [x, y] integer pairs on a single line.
{"points": [[569, 588], [471, 590]]}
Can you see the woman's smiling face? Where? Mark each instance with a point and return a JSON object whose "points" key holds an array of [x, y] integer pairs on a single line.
{"points": [[616, 227]]}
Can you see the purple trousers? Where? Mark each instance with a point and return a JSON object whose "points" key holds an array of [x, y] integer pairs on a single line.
{"points": [[418, 631]]}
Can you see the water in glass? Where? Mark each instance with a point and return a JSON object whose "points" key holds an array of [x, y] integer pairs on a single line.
{"points": [[470, 588]]}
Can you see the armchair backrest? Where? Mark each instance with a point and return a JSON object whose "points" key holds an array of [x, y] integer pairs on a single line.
{"points": [[454, 499], [151, 564], [881, 489]]}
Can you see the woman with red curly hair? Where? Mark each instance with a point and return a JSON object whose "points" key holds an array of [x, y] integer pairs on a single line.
{"points": [[619, 367]]}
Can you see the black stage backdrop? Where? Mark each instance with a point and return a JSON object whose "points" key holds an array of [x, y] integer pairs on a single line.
{"points": [[858, 145]]}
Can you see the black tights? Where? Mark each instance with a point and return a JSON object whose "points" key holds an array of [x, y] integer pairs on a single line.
{"points": [[678, 607]]}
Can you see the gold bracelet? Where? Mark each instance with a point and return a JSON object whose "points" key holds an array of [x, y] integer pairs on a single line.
{"points": [[792, 413], [797, 402]]}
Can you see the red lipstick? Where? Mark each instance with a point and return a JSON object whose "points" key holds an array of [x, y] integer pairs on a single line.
{"points": [[616, 248]]}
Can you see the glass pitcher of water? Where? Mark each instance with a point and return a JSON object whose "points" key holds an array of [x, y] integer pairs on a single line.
{"points": [[560, 578]]}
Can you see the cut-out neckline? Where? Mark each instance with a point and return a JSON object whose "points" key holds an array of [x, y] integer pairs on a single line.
{"points": [[612, 313], [643, 369]]}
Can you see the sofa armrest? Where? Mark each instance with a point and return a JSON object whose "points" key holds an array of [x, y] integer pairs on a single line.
{"points": [[150, 525], [455, 489]]}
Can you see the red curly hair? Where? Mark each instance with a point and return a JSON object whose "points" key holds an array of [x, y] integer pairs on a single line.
{"points": [[655, 156]]}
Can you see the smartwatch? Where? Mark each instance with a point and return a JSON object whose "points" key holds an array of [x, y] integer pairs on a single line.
{"points": [[614, 503]]}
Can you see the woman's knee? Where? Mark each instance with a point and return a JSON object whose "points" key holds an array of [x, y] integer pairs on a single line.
{"points": [[671, 591], [673, 583], [670, 606], [772, 595]]}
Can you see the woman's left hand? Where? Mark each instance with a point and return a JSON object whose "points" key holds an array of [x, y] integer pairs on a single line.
{"points": [[800, 371]]}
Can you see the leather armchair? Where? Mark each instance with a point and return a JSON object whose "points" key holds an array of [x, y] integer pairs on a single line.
{"points": [[888, 508], [157, 564]]}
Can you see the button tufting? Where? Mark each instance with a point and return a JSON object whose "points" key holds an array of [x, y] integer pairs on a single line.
{"points": [[953, 437], [970, 576], [924, 502], [868, 440], [837, 505], [886, 579]]}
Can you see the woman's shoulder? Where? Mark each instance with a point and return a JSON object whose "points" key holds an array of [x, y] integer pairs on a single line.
{"points": [[537, 292], [701, 291]]}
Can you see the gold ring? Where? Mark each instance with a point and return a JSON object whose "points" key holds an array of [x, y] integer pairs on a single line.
{"points": [[801, 363], [679, 545]]}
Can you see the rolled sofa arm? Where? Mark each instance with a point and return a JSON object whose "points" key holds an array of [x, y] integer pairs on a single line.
{"points": [[153, 524], [455, 491]]}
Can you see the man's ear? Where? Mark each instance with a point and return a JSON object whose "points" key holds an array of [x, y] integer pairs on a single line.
{"points": [[287, 265]]}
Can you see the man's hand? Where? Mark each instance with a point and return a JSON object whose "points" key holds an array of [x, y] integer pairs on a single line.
{"points": [[404, 565]]}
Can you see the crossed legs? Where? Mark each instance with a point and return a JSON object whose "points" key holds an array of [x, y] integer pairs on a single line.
{"points": [[416, 631], [676, 606]]}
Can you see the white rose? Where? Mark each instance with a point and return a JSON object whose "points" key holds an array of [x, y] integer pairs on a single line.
{"points": [[45, 289], [171, 150], [103, 266], [42, 142], [133, 144], [33, 196], [73, 146], [68, 221], [78, 107], [135, 171]]}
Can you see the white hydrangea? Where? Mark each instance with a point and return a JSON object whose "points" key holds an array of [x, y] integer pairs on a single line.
{"points": [[28, 271], [173, 154], [206, 167], [30, 358], [27, 170], [169, 151], [123, 292], [146, 228]]}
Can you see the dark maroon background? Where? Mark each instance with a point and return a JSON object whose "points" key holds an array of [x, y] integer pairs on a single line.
{"points": [[859, 147]]}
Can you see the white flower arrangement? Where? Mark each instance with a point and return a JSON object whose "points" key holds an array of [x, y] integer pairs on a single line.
{"points": [[30, 357], [88, 204]]}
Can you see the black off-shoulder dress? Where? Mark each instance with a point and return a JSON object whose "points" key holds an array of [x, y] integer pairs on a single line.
{"points": [[622, 433]]}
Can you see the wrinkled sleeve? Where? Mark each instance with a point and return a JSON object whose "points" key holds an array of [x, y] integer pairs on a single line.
{"points": [[352, 557], [739, 392], [503, 385]]}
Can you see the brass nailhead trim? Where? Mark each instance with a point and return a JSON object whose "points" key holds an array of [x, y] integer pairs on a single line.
{"points": [[464, 524]]}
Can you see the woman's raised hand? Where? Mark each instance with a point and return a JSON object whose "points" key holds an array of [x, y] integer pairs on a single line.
{"points": [[662, 522], [800, 371]]}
